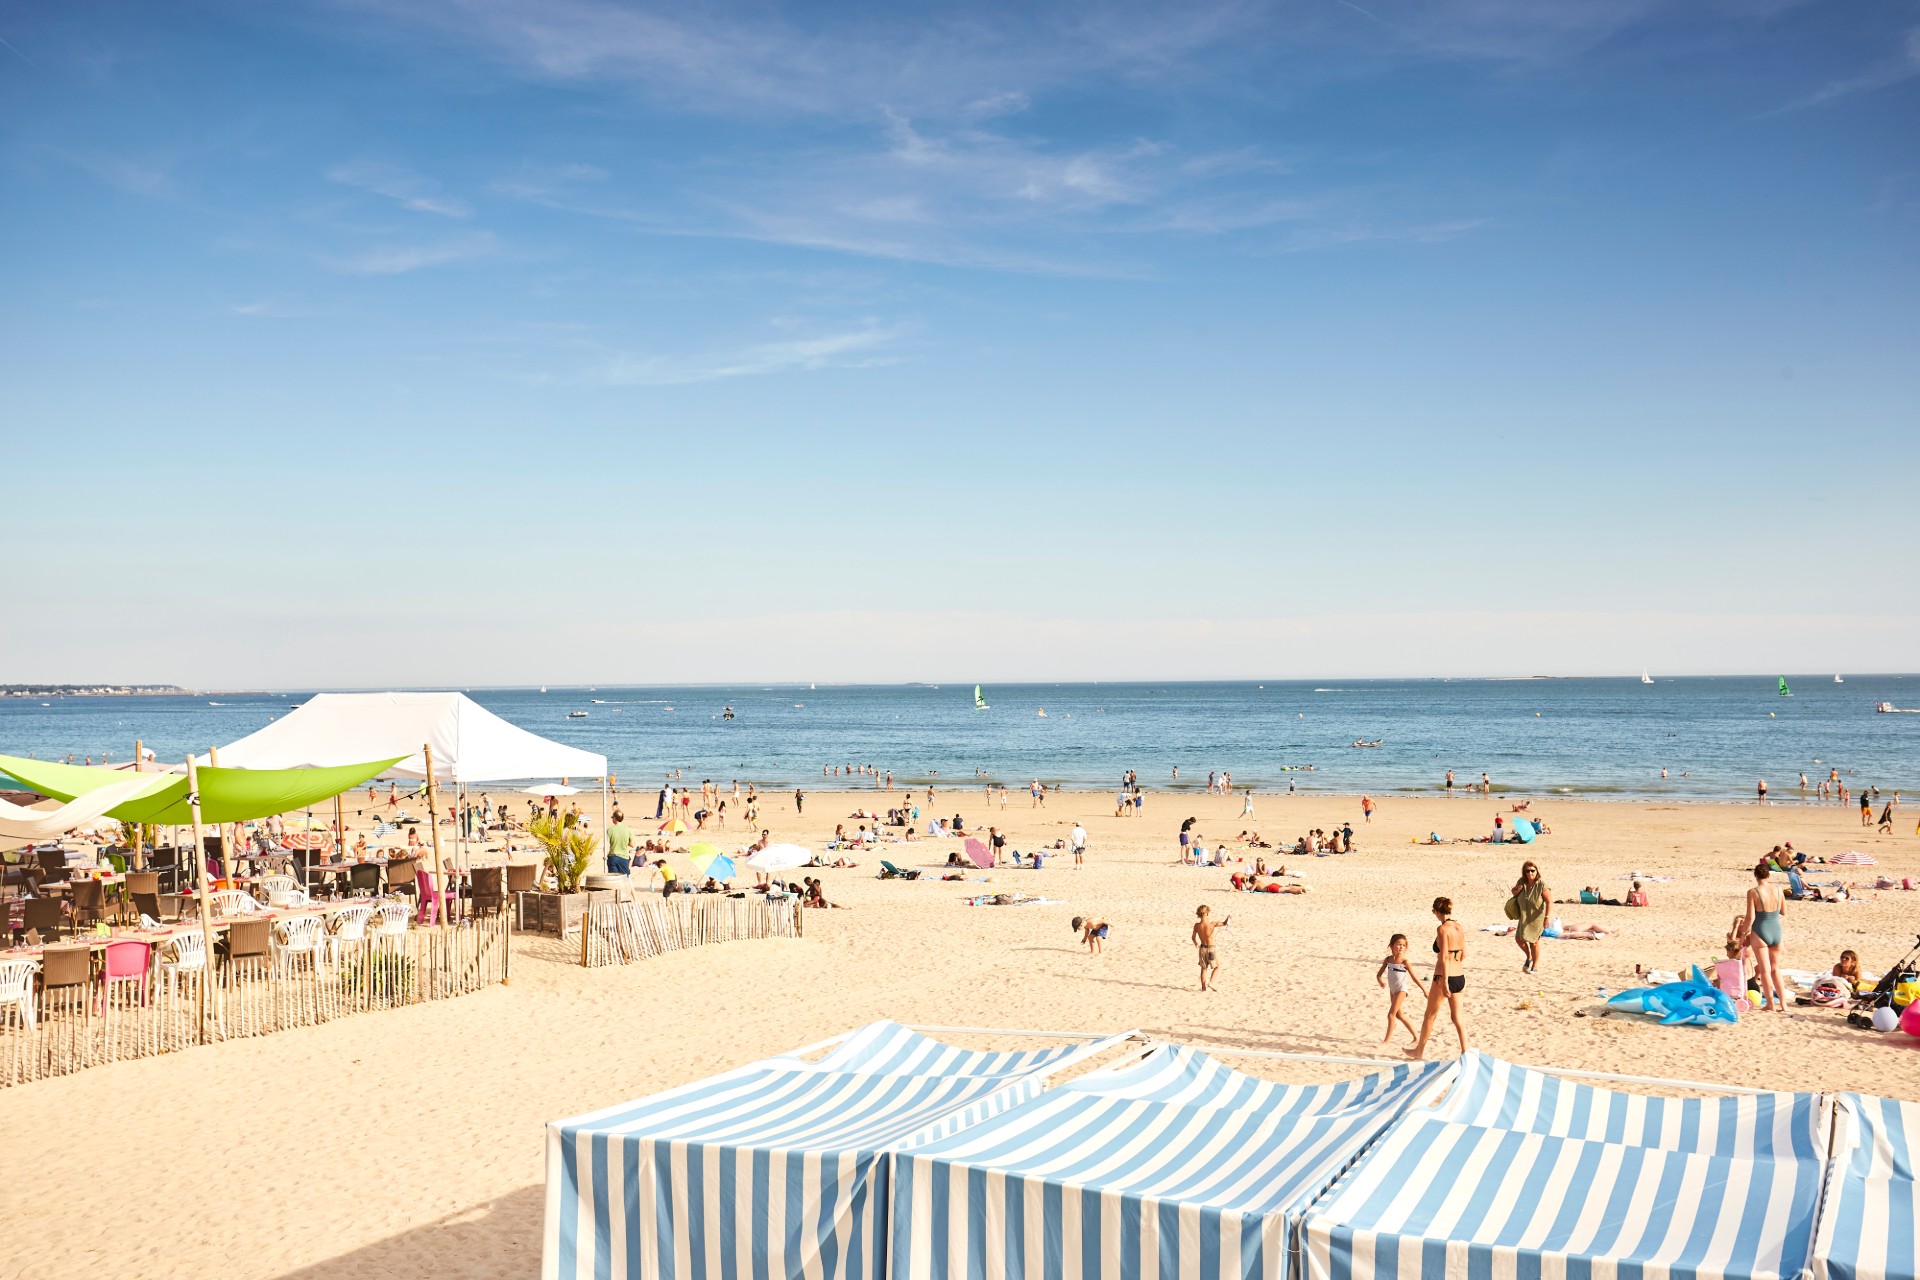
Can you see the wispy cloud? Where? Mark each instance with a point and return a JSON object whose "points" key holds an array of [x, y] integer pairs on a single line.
{"points": [[133, 176], [408, 189], [847, 349], [1308, 239], [1903, 65], [268, 310], [708, 58], [398, 259]]}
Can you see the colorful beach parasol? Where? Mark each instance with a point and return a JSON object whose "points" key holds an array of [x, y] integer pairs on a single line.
{"points": [[981, 855]]}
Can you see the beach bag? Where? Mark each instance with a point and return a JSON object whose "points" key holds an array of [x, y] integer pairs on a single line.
{"points": [[1513, 908]]}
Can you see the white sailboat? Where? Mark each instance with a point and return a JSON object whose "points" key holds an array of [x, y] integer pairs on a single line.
{"points": [[1644, 677], [1838, 680]]}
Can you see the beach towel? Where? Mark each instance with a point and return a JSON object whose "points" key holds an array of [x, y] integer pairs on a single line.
{"points": [[1854, 858]]}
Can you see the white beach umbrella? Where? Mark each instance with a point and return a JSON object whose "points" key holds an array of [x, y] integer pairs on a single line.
{"points": [[780, 857], [550, 789]]}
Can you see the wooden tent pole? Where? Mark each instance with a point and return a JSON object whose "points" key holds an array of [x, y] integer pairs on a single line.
{"points": [[433, 827], [139, 766], [226, 846], [200, 878]]}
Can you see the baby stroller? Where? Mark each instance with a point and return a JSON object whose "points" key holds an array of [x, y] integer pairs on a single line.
{"points": [[1881, 997]]}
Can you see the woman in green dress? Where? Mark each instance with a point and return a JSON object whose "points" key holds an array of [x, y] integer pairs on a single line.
{"points": [[1531, 900]]}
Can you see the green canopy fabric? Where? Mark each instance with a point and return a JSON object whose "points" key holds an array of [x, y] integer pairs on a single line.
{"points": [[226, 795]]}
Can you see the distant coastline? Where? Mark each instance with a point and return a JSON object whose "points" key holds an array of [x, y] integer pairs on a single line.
{"points": [[90, 690]]}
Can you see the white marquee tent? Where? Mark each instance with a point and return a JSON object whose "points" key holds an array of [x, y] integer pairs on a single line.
{"points": [[470, 744]]}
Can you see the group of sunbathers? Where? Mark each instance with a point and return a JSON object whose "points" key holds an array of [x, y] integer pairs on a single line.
{"points": [[1257, 881]]}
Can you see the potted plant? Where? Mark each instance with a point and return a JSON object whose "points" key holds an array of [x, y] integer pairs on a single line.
{"points": [[559, 904]]}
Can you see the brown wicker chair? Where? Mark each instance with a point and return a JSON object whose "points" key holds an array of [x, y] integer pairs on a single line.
{"points": [[143, 887], [245, 942], [363, 879], [400, 875], [521, 878], [88, 899], [53, 865], [46, 916], [489, 890], [65, 969]]}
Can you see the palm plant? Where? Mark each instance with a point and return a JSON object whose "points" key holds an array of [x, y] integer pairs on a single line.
{"points": [[569, 849]]}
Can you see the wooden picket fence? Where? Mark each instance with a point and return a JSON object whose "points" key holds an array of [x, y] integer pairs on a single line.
{"points": [[80, 1027], [621, 932]]}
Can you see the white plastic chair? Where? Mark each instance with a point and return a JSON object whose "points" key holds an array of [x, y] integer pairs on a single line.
{"points": [[233, 902], [182, 953], [348, 925], [292, 938], [393, 920], [16, 987], [270, 885]]}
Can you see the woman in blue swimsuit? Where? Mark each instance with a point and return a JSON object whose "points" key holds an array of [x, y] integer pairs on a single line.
{"points": [[1765, 933]]}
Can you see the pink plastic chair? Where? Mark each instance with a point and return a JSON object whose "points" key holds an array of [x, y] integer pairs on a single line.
{"points": [[431, 900], [126, 961]]}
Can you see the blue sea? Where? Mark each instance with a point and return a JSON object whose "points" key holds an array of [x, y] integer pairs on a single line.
{"points": [[1586, 737]]}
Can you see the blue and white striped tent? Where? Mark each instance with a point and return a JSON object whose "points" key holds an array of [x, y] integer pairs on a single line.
{"points": [[1521, 1175], [893, 1049], [1496, 1094], [1176, 1166], [776, 1169], [1866, 1229]]}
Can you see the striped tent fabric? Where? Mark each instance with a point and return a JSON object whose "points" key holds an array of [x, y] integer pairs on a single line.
{"points": [[1495, 1094], [896, 1050], [1516, 1175], [1176, 1166], [1866, 1229], [776, 1169]]}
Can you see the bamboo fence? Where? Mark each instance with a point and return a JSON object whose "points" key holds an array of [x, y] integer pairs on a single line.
{"points": [[80, 1027], [621, 932]]}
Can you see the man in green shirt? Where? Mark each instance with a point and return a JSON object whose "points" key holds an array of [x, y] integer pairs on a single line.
{"points": [[619, 842]]}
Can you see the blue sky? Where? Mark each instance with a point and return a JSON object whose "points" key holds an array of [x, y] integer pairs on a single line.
{"points": [[410, 342]]}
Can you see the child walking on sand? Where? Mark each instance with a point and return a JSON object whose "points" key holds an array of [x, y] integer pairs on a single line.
{"points": [[1203, 929], [1092, 932], [1397, 976]]}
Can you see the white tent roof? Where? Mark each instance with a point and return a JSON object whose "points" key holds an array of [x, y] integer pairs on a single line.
{"points": [[470, 743]]}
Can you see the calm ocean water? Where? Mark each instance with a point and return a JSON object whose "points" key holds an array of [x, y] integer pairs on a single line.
{"points": [[1714, 736]]}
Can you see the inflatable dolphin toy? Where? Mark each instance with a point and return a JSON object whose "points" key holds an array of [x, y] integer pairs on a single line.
{"points": [[1694, 1002]]}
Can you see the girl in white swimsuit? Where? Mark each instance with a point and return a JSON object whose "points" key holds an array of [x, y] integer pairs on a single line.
{"points": [[1397, 977]]}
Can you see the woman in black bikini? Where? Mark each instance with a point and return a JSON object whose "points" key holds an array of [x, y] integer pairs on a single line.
{"points": [[1449, 978]]}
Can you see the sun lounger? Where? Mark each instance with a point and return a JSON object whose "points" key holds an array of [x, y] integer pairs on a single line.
{"points": [[890, 872]]}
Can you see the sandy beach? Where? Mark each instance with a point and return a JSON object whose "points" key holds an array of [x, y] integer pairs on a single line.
{"points": [[408, 1143]]}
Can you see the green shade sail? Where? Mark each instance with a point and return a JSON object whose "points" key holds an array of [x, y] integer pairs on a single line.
{"points": [[226, 795]]}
